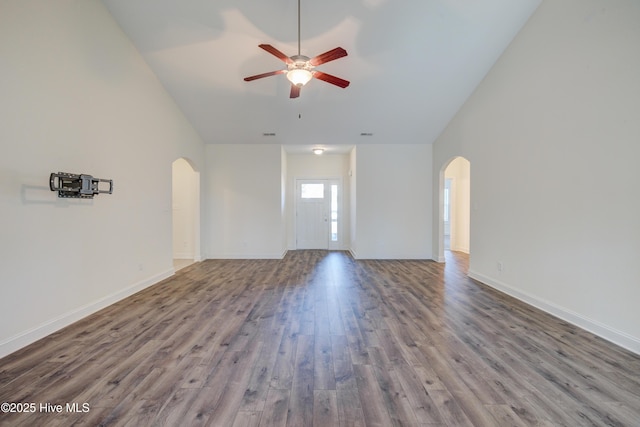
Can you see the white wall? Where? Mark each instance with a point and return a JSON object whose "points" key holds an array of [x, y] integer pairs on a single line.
{"points": [[459, 173], [243, 214], [77, 97], [394, 201], [310, 166], [552, 135]]}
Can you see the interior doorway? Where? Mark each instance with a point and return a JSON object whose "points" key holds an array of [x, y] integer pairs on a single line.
{"points": [[447, 214], [455, 212], [185, 193], [318, 222]]}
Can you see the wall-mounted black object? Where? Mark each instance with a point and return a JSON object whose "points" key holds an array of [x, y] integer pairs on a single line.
{"points": [[71, 185]]}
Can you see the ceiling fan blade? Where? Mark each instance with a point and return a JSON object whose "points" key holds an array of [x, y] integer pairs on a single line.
{"points": [[330, 79], [275, 52], [331, 55], [259, 76], [295, 91]]}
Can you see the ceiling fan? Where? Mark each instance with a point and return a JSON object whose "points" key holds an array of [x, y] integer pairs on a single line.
{"points": [[301, 69]]}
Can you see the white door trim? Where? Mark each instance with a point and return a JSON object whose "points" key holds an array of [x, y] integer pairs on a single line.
{"points": [[332, 245]]}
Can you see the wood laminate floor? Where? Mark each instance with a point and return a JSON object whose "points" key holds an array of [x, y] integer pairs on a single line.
{"points": [[321, 339]]}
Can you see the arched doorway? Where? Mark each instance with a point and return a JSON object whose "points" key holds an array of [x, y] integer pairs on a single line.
{"points": [[455, 209], [185, 193]]}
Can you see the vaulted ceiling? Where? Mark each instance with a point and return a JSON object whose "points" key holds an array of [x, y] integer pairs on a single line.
{"points": [[412, 64]]}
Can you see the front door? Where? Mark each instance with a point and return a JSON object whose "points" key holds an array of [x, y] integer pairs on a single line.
{"points": [[315, 217]]}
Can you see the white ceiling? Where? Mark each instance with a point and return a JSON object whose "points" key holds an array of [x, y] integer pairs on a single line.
{"points": [[411, 64]]}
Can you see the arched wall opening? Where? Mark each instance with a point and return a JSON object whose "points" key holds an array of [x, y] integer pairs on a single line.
{"points": [[185, 196], [454, 213]]}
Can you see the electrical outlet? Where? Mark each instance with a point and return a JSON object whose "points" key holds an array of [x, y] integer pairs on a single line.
{"points": [[500, 266]]}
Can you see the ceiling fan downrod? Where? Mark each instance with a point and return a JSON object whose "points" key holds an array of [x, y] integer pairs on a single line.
{"points": [[298, 27]]}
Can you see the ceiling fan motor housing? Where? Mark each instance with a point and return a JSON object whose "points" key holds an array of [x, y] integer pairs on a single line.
{"points": [[300, 61]]}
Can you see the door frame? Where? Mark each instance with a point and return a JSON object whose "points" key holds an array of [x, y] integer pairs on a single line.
{"points": [[333, 245], [193, 187]]}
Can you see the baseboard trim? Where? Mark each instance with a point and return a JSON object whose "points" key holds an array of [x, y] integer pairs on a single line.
{"points": [[412, 257], [416, 257], [615, 336], [274, 255], [462, 249], [32, 335], [183, 255]]}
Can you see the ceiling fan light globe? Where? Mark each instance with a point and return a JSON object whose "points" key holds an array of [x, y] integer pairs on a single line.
{"points": [[299, 77]]}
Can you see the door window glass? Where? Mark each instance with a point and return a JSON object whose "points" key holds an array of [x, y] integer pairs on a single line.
{"points": [[312, 191], [334, 213]]}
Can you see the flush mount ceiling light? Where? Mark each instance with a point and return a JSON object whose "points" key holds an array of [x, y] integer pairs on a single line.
{"points": [[301, 69], [318, 151]]}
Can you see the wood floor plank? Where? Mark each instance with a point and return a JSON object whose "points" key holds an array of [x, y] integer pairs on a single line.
{"points": [[325, 408], [505, 416], [324, 377], [255, 394], [450, 410], [373, 403], [357, 347], [391, 346], [334, 293], [350, 408], [301, 398], [174, 410], [247, 419], [237, 379], [283, 369], [421, 401], [395, 397], [275, 408], [342, 364], [319, 338]]}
